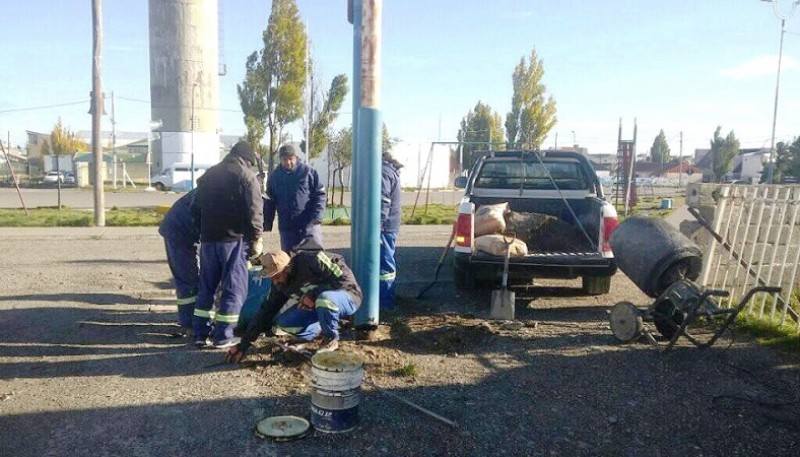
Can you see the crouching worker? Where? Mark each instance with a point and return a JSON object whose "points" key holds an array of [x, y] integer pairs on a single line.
{"points": [[309, 293]]}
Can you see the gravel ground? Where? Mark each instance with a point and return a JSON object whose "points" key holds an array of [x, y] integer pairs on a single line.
{"points": [[87, 368]]}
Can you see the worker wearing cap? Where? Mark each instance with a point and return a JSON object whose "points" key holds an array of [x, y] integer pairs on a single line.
{"points": [[295, 192], [182, 242], [310, 293], [230, 210], [390, 225]]}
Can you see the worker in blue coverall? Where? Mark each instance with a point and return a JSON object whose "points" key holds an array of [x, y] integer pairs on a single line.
{"points": [[182, 241], [310, 292], [295, 192], [229, 207], [390, 226]]}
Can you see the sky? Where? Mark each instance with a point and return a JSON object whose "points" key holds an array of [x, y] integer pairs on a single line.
{"points": [[680, 65]]}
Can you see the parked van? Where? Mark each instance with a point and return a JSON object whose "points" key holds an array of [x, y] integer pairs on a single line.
{"points": [[178, 176]]}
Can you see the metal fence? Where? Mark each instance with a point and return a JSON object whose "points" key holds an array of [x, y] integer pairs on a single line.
{"points": [[758, 243]]}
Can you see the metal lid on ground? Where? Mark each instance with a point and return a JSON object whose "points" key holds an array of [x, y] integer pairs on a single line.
{"points": [[282, 428]]}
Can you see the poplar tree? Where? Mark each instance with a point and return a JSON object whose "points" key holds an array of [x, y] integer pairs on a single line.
{"points": [[533, 114], [659, 152], [479, 129], [723, 150]]}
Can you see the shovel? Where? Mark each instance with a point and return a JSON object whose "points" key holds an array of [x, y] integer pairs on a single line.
{"points": [[503, 300]]}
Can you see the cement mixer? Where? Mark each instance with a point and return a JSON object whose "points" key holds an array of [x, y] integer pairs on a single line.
{"points": [[664, 264]]}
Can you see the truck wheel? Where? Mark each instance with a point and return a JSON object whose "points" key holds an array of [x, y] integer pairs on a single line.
{"points": [[596, 285], [463, 278], [159, 187]]}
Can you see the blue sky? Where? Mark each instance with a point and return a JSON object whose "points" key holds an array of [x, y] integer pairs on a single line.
{"points": [[681, 65]]}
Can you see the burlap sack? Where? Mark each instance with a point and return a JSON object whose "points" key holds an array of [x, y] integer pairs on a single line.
{"points": [[494, 244], [490, 219]]}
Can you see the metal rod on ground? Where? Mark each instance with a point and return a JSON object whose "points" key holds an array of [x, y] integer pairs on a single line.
{"points": [[306, 354], [412, 404], [14, 177]]}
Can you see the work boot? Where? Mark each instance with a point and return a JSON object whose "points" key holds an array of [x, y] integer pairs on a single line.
{"points": [[328, 345], [202, 344]]}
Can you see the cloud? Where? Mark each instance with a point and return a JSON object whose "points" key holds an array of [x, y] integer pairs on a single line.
{"points": [[759, 66]]}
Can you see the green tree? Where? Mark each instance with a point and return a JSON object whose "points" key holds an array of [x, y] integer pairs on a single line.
{"points": [[723, 150], [787, 160], [340, 155], [387, 141], [325, 116], [45, 148], [479, 128], [277, 75], [252, 99], [532, 115], [659, 152]]}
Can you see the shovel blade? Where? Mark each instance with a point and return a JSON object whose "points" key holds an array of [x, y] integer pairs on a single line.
{"points": [[502, 307]]}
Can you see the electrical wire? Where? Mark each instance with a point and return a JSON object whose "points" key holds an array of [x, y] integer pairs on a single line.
{"points": [[56, 105]]}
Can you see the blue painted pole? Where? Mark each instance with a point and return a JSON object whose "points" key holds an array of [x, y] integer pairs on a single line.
{"points": [[366, 229], [367, 239], [356, 6]]}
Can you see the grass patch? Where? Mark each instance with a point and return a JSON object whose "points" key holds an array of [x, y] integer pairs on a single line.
{"points": [[68, 217], [770, 332], [407, 370], [435, 214]]}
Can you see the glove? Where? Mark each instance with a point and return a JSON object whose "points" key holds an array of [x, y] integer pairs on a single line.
{"points": [[255, 250], [235, 354], [306, 303]]}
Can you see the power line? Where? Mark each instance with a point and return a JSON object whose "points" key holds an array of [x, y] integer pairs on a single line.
{"points": [[57, 105], [139, 100]]}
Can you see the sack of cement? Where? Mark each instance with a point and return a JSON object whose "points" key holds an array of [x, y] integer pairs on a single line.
{"points": [[490, 219], [495, 245]]}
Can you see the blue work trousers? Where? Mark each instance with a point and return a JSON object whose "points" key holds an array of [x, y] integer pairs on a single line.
{"points": [[223, 265], [291, 238], [182, 259], [329, 307], [388, 274]]}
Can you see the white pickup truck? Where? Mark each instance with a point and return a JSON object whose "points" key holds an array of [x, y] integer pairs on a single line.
{"points": [[552, 183]]}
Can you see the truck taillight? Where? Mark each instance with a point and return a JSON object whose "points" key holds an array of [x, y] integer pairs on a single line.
{"points": [[609, 225], [464, 230]]}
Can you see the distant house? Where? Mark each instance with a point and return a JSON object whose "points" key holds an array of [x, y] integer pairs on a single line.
{"points": [[747, 166]]}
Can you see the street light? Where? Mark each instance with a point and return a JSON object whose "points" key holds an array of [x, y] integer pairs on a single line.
{"points": [[153, 125], [783, 18]]}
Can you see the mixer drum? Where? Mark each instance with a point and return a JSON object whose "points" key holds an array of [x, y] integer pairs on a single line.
{"points": [[654, 254]]}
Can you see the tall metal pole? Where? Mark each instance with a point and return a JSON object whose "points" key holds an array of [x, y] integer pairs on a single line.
{"points": [[97, 112], [114, 139], [775, 109], [368, 169], [680, 164], [191, 165], [354, 13]]}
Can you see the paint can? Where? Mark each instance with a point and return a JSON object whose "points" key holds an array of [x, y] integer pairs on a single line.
{"points": [[336, 384], [666, 203]]}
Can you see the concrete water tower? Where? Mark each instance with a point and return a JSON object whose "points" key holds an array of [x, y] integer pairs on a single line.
{"points": [[184, 81]]}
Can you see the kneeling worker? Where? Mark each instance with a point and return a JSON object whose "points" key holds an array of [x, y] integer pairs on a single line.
{"points": [[309, 293]]}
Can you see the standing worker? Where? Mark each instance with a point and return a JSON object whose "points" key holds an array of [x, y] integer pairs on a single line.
{"points": [[182, 240], [230, 210], [310, 293], [295, 191], [390, 225]]}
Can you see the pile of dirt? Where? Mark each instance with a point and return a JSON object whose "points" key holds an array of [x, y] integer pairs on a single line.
{"points": [[546, 233]]}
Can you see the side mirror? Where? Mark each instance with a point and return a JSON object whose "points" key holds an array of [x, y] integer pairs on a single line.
{"points": [[461, 182]]}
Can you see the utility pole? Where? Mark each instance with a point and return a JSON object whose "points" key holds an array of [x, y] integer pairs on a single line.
{"points": [[114, 139], [775, 109], [97, 111], [680, 163]]}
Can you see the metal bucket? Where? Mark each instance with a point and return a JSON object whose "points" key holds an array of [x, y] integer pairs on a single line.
{"points": [[336, 380]]}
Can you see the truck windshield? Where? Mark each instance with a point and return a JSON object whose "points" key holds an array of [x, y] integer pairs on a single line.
{"points": [[510, 174]]}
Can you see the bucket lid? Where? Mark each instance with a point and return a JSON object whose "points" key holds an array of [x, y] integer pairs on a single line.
{"points": [[337, 361], [282, 428]]}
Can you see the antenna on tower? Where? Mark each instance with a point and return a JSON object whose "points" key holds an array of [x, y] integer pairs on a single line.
{"points": [[223, 69]]}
